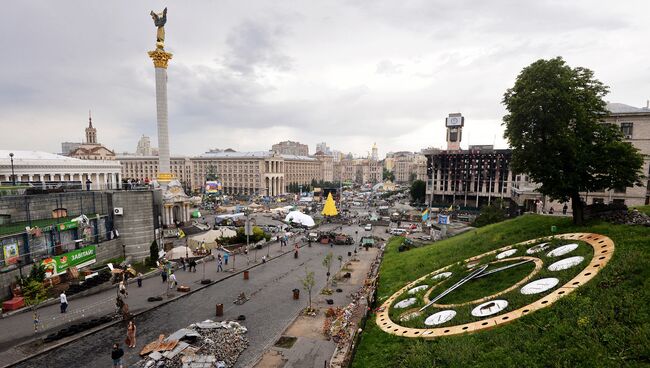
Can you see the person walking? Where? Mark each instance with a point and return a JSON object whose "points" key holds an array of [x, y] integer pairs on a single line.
{"points": [[564, 209], [219, 264], [122, 290], [225, 258], [183, 263], [139, 279], [192, 265], [172, 281], [130, 334], [64, 302], [117, 355], [163, 275]]}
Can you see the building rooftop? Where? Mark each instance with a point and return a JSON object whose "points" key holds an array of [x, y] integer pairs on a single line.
{"points": [[32, 158], [619, 108]]}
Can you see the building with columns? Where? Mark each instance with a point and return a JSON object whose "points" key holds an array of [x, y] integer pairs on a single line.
{"points": [[291, 148], [41, 168], [145, 168], [360, 171]]}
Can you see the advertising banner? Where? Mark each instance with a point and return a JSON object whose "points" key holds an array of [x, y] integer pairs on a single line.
{"points": [[68, 225], [213, 186], [443, 219], [79, 258], [11, 253]]}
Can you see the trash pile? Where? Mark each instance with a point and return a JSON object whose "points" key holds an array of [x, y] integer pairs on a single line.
{"points": [[633, 217], [202, 344]]}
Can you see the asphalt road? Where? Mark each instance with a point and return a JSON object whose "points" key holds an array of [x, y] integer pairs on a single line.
{"points": [[268, 312]]}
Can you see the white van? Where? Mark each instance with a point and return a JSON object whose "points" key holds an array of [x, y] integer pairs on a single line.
{"points": [[398, 231]]}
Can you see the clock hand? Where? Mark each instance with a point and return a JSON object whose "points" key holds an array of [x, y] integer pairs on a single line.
{"points": [[503, 268], [455, 286]]}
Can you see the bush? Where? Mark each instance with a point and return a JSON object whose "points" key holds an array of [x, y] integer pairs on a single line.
{"points": [[490, 214], [153, 254]]}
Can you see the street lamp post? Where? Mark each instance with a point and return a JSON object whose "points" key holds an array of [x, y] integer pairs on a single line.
{"points": [[13, 175]]}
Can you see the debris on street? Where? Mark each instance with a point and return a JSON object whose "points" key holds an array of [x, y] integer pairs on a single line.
{"points": [[202, 344]]}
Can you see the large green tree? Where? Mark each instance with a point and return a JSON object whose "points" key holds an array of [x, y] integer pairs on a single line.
{"points": [[388, 175], [418, 190], [555, 126]]}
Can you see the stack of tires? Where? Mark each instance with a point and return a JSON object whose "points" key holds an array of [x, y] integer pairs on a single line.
{"points": [[76, 328]]}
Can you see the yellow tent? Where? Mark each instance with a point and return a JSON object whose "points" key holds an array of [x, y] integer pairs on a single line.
{"points": [[330, 208]]}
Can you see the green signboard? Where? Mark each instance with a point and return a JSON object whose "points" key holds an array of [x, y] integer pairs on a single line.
{"points": [[79, 258], [68, 225]]}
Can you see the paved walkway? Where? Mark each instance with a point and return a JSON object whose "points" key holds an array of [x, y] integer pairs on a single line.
{"points": [[269, 311]]}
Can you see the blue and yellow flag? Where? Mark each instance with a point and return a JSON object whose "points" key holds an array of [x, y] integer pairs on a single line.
{"points": [[425, 215]]}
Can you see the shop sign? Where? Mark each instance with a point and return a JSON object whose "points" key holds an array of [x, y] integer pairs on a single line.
{"points": [[78, 258]]}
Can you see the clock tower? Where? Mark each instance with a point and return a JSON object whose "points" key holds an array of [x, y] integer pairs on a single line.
{"points": [[454, 124]]}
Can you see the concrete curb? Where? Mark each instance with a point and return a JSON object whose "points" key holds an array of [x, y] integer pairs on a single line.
{"points": [[113, 323]]}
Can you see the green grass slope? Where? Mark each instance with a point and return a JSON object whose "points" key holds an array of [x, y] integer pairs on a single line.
{"points": [[605, 323]]}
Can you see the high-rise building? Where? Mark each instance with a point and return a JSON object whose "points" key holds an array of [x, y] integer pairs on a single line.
{"points": [[144, 146], [375, 153], [322, 147], [291, 148]]}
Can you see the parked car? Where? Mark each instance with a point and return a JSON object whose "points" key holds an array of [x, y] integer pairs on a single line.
{"points": [[425, 237], [368, 227], [398, 231]]}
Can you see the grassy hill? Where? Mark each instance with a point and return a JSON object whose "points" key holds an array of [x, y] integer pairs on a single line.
{"points": [[605, 323]]}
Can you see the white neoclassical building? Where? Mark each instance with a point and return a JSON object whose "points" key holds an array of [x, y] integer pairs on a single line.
{"points": [[36, 167]]}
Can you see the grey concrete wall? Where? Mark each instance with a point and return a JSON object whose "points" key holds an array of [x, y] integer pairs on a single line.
{"points": [[136, 226], [40, 206]]}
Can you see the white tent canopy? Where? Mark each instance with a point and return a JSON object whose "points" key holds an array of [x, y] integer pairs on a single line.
{"points": [[300, 218], [209, 238], [179, 252]]}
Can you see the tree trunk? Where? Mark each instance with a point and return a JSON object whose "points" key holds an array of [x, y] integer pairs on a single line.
{"points": [[578, 209]]}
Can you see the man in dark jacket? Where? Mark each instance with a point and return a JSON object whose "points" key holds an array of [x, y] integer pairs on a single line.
{"points": [[117, 355]]}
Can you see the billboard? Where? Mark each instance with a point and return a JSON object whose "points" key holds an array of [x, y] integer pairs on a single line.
{"points": [[213, 186], [455, 121], [11, 253], [57, 265]]}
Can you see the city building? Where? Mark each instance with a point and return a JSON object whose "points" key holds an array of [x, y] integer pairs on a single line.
{"points": [[359, 171], [67, 147], [408, 166], [375, 153], [145, 168], [322, 147], [247, 173], [291, 148], [144, 147], [327, 166], [468, 178], [42, 169], [302, 170], [91, 149]]}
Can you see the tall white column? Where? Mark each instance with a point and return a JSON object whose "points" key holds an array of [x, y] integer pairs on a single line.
{"points": [[160, 60]]}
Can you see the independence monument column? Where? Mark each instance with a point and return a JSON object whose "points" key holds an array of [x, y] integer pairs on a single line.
{"points": [[160, 60]]}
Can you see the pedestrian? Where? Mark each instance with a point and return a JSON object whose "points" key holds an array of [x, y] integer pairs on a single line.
{"points": [[219, 265], [163, 275], [263, 259], [130, 334], [225, 258], [564, 209], [183, 263], [139, 279], [295, 250], [117, 355], [550, 212], [192, 265], [122, 290], [172, 281], [64, 302]]}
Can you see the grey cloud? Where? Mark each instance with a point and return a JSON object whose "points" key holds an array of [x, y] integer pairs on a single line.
{"points": [[388, 67], [253, 44]]}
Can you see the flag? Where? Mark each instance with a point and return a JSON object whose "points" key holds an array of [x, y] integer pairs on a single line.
{"points": [[451, 208], [181, 233], [425, 215]]}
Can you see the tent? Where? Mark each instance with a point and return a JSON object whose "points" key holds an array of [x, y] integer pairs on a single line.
{"points": [[300, 218], [329, 209], [208, 239], [179, 252]]}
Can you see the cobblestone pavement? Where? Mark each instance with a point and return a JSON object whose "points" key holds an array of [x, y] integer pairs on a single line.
{"points": [[268, 312]]}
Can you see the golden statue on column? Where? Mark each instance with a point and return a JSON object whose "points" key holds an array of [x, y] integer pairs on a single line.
{"points": [[159, 20]]}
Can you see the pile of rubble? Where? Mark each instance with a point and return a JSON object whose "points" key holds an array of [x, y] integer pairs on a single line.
{"points": [[203, 344], [632, 217]]}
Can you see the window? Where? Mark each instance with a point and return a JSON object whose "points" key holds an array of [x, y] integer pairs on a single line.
{"points": [[626, 128]]}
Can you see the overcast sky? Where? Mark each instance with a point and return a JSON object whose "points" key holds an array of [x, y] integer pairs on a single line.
{"points": [[247, 74]]}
